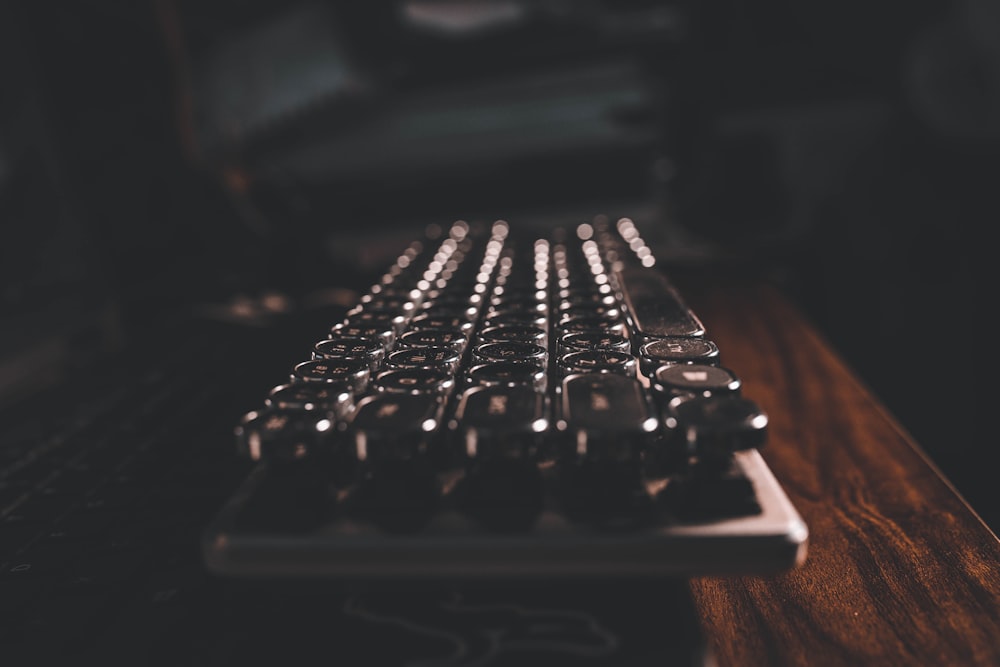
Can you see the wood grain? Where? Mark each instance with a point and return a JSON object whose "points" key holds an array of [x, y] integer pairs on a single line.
{"points": [[900, 571]]}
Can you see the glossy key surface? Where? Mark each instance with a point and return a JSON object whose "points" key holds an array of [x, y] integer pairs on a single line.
{"points": [[502, 405]]}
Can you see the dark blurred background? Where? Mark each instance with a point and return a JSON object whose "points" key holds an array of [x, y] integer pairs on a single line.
{"points": [[154, 154]]}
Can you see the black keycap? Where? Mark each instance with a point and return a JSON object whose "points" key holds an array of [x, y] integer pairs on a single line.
{"points": [[504, 495], [589, 311], [606, 416], [333, 398], [385, 334], [283, 436], [377, 319], [710, 492], [508, 318], [441, 321], [518, 294], [715, 427], [376, 308], [513, 332], [509, 351], [518, 307], [582, 296], [602, 324], [654, 306], [442, 358], [598, 361], [500, 422], [508, 374], [368, 349], [593, 340], [446, 312], [396, 293], [400, 496], [393, 427], [609, 495], [417, 381], [696, 379], [384, 306], [453, 339], [354, 372], [677, 350]]}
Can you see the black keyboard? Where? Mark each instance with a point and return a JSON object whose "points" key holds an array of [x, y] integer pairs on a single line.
{"points": [[501, 404]]}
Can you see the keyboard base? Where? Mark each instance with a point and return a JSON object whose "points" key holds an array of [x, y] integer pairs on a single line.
{"points": [[453, 547]]}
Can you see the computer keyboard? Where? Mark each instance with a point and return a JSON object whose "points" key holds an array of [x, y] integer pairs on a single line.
{"points": [[504, 404]]}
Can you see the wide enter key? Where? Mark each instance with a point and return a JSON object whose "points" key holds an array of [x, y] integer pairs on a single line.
{"points": [[654, 306]]}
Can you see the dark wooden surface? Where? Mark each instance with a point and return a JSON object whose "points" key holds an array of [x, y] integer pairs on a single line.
{"points": [[900, 570]]}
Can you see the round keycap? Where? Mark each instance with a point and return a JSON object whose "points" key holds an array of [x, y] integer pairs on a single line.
{"points": [[509, 351], [414, 381], [391, 321], [598, 361], [513, 332], [519, 306], [335, 398], [587, 292], [718, 425], [354, 372], [532, 319], [592, 324], [467, 313], [699, 379], [450, 298], [593, 340], [509, 293], [507, 374], [589, 311], [445, 322], [368, 349], [385, 304], [384, 334], [443, 358], [391, 294], [453, 339], [677, 350], [584, 297]]}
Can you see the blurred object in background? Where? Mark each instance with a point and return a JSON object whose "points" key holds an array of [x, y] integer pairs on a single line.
{"points": [[952, 74], [852, 150], [55, 309], [320, 118]]}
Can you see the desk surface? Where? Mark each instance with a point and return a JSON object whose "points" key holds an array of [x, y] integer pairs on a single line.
{"points": [[900, 569]]}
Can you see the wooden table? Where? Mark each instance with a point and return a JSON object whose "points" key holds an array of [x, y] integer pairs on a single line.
{"points": [[900, 570]]}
